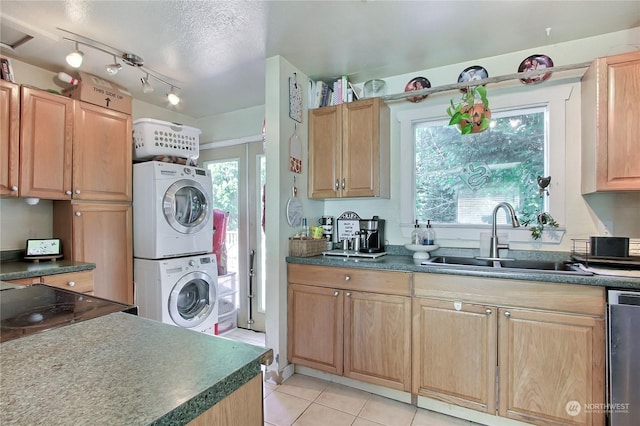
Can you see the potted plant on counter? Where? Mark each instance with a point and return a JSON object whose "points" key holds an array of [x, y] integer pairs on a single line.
{"points": [[471, 114], [532, 215]]}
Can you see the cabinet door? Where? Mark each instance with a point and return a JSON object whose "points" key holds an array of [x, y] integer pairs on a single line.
{"points": [[99, 233], [81, 282], [325, 152], [315, 324], [365, 135], [9, 137], [551, 367], [611, 153], [377, 339], [46, 132], [454, 352], [102, 164]]}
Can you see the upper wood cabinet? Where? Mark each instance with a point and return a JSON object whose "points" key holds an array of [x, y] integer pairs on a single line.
{"points": [[73, 150], [102, 163], [9, 137], [610, 125], [46, 134], [349, 150]]}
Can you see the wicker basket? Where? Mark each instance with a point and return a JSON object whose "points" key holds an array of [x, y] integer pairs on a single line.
{"points": [[307, 247]]}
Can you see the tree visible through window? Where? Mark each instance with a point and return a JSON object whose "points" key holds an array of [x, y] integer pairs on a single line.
{"points": [[461, 178]]}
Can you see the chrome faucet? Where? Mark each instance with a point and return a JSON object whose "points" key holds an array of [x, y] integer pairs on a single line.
{"points": [[495, 245]]}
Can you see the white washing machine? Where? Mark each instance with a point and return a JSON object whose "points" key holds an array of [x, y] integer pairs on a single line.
{"points": [[181, 291], [172, 210]]}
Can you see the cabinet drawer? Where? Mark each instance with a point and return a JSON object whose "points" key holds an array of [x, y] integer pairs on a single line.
{"points": [[373, 281], [25, 281], [571, 298], [80, 282]]}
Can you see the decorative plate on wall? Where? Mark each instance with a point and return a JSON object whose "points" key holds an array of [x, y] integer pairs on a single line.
{"points": [[535, 62], [473, 73], [417, 83]]}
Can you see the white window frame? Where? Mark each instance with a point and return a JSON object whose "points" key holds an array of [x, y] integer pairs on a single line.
{"points": [[554, 98]]}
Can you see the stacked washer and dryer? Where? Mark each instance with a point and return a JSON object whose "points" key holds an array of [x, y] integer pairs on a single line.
{"points": [[175, 271]]}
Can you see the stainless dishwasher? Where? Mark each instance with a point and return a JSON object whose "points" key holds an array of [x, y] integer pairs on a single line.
{"points": [[623, 359]]}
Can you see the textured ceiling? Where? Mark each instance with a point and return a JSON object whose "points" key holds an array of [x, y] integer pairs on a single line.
{"points": [[215, 51]]}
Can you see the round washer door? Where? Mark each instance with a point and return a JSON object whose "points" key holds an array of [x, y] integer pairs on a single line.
{"points": [[187, 206], [192, 300]]}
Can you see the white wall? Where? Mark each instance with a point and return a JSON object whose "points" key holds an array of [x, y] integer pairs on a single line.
{"points": [[601, 214]]}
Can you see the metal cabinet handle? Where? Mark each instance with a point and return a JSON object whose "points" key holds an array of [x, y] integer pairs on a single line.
{"points": [[68, 192], [344, 183], [337, 293], [347, 277], [71, 283], [337, 184], [78, 214], [348, 294], [14, 188], [488, 312], [507, 314]]}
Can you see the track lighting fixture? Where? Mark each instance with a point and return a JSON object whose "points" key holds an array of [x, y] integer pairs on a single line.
{"points": [[174, 99], [146, 86], [114, 67], [74, 58]]}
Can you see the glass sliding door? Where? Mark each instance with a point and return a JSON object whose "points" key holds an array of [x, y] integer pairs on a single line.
{"points": [[238, 174]]}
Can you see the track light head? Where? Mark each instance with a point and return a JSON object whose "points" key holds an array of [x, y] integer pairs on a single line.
{"points": [[114, 67], [173, 98], [146, 86], [74, 58]]}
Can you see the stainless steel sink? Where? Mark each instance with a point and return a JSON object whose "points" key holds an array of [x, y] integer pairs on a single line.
{"points": [[508, 265]]}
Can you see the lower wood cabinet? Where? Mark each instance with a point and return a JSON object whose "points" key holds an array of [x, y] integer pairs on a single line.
{"points": [[454, 351], [81, 281], [542, 343], [244, 407], [337, 328], [99, 233]]}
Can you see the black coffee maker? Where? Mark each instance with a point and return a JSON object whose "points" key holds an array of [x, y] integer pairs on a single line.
{"points": [[372, 235]]}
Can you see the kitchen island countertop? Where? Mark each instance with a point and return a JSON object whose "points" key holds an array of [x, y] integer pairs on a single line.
{"points": [[120, 369], [394, 262]]}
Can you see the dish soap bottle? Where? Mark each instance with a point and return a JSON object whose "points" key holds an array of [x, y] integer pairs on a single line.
{"points": [[416, 234], [429, 235]]}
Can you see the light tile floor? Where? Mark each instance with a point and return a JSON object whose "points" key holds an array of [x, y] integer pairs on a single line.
{"points": [[308, 401], [247, 336]]}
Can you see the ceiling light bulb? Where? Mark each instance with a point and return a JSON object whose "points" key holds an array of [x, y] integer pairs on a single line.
{"points": [[114, 67], [74, 59], [173, 98], [146, 87]]}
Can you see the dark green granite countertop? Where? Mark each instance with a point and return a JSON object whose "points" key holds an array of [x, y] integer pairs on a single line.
{"points": [[19, 269], [404, 262], [120, 369]]}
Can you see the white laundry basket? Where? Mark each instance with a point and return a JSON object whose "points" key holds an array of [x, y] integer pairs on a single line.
{"points": [[152, 138]]}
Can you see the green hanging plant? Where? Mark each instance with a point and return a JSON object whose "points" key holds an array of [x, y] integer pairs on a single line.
{"points": [[471, 114]]}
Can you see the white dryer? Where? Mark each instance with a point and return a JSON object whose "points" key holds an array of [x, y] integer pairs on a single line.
{"points": [[180, 291], [172, 210]]}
